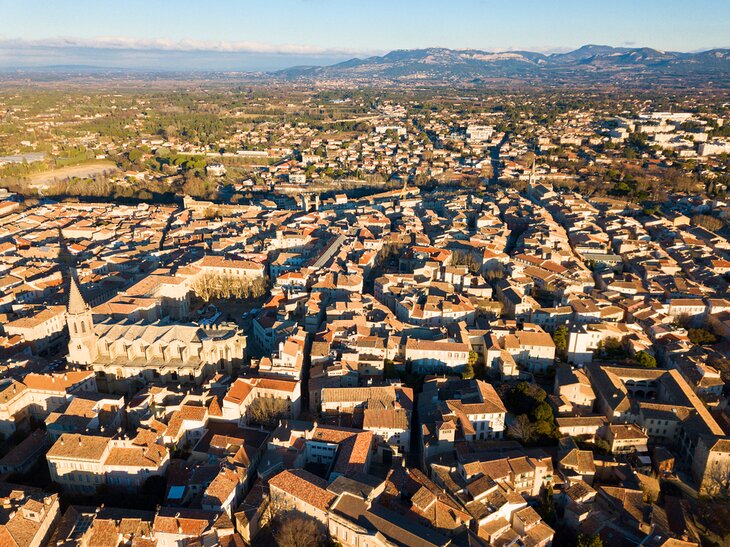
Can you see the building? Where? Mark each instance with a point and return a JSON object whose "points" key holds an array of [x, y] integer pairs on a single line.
{"points": [[452, 410], [44, 330], [126, 355], [82, 463], [247, 393], [28, 517], [37, 396], [302, 491], [428, 356]]}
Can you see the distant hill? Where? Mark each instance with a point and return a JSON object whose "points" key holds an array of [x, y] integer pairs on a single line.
{"points": [[588, 63]]}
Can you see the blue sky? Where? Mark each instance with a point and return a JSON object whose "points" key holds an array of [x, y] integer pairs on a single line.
{"points": [[258, 34]]}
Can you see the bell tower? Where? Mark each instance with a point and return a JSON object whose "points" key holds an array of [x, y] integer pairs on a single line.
{"points": [[82, 347]]}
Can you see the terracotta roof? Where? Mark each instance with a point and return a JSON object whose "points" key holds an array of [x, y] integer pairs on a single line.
{"points": [[385, 419], [79, 447], [188, 522], [305, 486]]}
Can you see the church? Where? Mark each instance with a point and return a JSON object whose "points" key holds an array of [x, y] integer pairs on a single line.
{"points": [[125, 355]]}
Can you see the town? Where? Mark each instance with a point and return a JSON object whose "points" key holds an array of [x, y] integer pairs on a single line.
{"points": [[409, 317]]}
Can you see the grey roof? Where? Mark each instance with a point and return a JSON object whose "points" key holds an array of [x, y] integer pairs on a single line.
{"points": [[76, 303]]}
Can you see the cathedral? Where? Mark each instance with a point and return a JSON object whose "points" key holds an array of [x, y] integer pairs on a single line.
{"points": [[125, 355]]}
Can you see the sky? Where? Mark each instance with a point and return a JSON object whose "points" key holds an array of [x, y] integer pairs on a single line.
{"points": [[273, 34]]}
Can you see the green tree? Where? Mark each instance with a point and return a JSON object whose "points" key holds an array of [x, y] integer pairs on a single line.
{"points": [[468, 373], [134, 155], [560, 337], [542, 412], [645, 359], [701, 337]]}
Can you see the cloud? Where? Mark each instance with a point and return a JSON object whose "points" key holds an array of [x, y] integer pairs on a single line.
{"points": [[167, 45]]}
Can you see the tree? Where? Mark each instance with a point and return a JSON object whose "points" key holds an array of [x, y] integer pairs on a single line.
{"points": [[208, 286], [613, 348], [547, 507], [468, 373], [521, 429], [543, 429], [708, 222], [716, 481], [589, 541], [701, 337], [268, 411], [560, 337], [542, 412], [524, 397], [494, 273], [134, 155], [204, 287], [602, 446], [462, 258], [645, 359], [259, 286], [298, 530]]}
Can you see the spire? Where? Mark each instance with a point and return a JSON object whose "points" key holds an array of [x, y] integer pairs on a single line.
{"points": [[76, 303]]}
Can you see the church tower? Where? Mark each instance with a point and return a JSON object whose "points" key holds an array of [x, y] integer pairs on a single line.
{"points": [[82, 347]]}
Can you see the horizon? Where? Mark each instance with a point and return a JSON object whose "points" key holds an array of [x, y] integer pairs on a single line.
{"points": [[255, 36], [288, 61]]}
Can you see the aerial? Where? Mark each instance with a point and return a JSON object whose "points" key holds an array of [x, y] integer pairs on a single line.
{"points": [[318, 273]]}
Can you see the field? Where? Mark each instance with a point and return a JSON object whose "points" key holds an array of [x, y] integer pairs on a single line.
{"points": [[85, 170]]}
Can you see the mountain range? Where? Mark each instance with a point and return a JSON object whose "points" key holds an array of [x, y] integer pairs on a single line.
{"points": [[588, 63]]}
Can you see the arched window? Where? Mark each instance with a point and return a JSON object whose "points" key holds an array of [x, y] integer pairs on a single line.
{"points": [[76, 328], [83, 327]]}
